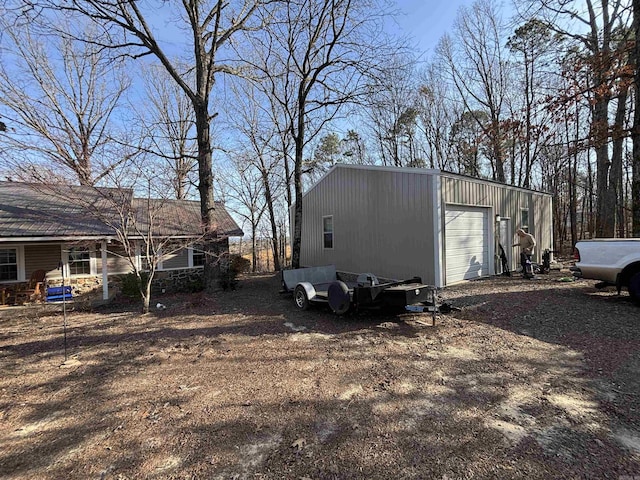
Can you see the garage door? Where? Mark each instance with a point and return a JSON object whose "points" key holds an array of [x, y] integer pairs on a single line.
{"points": [[466, 243]]}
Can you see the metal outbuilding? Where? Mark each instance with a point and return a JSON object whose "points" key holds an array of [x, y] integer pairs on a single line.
{"points": [[401, 222]]}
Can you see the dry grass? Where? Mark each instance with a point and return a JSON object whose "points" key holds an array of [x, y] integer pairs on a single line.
{"points": [[528, 380]]}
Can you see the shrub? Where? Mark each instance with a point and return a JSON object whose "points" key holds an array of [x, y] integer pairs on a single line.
{"points": [[228, 276], [130, 284], [239, 264], [193, 286]]}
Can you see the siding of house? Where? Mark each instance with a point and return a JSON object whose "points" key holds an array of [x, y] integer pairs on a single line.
{"points": [[179, 259], [41, 257], [382, 219], [506, 201], [117, 261]]}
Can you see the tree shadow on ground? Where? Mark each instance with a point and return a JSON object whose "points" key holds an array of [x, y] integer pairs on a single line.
{"points": [[599, 324], [220, 387]]}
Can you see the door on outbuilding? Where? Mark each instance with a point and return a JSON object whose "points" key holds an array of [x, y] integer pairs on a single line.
{"points": [[505, 239], [466, 243]]}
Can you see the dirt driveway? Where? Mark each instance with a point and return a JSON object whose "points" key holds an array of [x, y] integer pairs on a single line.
{"points": [[528, 379]]}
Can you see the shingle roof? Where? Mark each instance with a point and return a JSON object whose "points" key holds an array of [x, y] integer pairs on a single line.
{"points": [[33, 210], [179, 217]]}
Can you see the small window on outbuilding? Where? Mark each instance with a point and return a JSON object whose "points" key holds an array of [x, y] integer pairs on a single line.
{"points": [[327, 231], [524, 220]]}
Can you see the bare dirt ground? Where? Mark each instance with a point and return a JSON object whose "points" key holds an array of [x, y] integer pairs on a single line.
{"points": [[529, 379]]}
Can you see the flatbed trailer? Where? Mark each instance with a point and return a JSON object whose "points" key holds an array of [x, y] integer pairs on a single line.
{"points": [[322, 285]]}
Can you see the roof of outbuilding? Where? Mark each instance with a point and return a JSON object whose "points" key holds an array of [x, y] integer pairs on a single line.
{"points": [[34, 210]]}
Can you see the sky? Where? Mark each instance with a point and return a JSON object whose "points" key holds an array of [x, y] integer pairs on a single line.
{"points": [[427, 20]]}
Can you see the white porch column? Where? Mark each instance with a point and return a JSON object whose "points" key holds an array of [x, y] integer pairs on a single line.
{"points": [[105, 278]]}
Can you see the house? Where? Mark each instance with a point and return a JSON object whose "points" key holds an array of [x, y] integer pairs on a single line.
{"points": [[403, 222], [45, 227]]}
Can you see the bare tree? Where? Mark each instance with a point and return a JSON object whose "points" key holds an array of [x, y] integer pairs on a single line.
{"points": [[474, 59], [252, 118], [59, 97], [531, 43], [170, 128], [437, 116], [134, 28], [598, 26], [467, 136], [391, 112], [244, 195], [311, 65]]}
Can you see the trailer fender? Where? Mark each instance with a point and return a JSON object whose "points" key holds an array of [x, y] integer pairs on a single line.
{"points": [[308, 288]]}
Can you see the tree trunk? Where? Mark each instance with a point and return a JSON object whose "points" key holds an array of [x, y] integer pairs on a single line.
{"points": [[590, 221], [498, 151], [287, 172], [605, 206], [574, 182], [205, 187], [616, 193], [528, 87], [254, 256], [272, 218], [296, 243], [573, 207], [635, 132], [145, 291]]}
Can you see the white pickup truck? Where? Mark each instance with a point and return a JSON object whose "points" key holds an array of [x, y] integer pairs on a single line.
{"points": [[612, 261]]}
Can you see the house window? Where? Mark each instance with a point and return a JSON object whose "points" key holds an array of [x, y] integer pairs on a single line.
{"points": [[79, 261], [524, 220], [8, 264], [327, 231], [197, 255]]}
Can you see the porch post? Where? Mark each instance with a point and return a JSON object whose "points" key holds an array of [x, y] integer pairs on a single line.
{"points": [[105, 278]]}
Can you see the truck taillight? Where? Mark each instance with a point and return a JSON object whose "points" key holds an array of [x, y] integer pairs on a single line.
{"points": [[576, 254]]}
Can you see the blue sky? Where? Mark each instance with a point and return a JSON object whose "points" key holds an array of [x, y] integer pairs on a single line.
{"points": [[427, 20]]}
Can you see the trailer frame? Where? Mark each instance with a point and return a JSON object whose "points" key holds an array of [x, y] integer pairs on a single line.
{"points": [[323, 285]]}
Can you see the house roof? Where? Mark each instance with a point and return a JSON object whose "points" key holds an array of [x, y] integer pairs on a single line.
{"points": [[179, 217], [64, 211]]}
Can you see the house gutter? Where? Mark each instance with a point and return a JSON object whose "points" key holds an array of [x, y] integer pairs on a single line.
{"points": [[51, 239]]}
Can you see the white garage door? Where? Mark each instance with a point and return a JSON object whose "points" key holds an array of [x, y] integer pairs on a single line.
{"points": [[466, 243]]}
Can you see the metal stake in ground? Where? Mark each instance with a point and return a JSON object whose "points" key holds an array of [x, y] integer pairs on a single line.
{"points": [[64, 311]]}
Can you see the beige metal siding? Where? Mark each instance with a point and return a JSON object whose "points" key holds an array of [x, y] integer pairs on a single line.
{"points": [[385, 219], [508, 202], [383, 222], [41, 257]]}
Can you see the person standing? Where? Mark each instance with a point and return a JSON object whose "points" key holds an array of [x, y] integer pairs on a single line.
{"points": [[527, 244]]}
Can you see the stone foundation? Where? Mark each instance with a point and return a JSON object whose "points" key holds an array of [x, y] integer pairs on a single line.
{"points": [[166, 281], [180, 280]]}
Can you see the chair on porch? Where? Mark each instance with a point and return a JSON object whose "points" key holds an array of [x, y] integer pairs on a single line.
{"points": [[34, 289]]}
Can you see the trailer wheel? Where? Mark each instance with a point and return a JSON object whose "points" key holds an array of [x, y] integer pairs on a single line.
{"points": [[339, 299], [300, 296], [634, 287]]}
